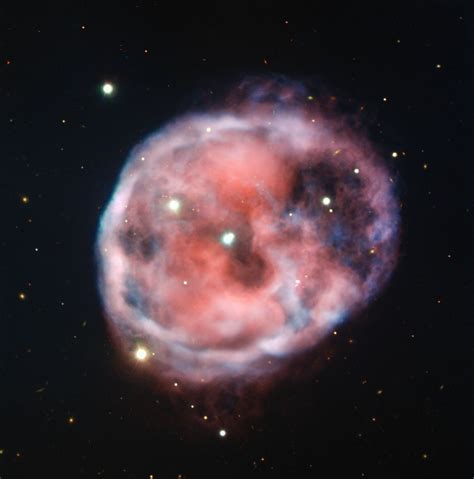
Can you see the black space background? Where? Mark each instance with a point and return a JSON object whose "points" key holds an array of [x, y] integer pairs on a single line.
{"points": [[57, 361]]}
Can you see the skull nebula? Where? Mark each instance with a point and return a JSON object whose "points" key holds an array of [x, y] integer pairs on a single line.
{"points": [[239, 237]]}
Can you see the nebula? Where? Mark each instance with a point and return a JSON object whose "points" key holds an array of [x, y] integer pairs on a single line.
{"points": [[239, 237]]}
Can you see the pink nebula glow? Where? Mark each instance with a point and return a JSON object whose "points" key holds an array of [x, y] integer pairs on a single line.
{"points": [[311, 222]]}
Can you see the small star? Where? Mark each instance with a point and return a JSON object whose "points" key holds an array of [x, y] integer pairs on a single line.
{"points": [[438, 66], [356, 171], [222, 433], [107, 88], [326, 201], [71, 420], [174, 205], [25, 200], [21, 296], [394, 154], [208, 129], [141, 354], [228, 238]]}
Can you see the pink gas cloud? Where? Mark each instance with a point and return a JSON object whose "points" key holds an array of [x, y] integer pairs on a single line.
{"points": [[237, 238]]}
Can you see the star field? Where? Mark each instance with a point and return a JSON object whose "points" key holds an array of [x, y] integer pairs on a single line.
{"points": [[385, 395]]}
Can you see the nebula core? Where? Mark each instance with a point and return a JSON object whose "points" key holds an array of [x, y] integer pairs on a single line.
{"points": [[239, 237]]}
